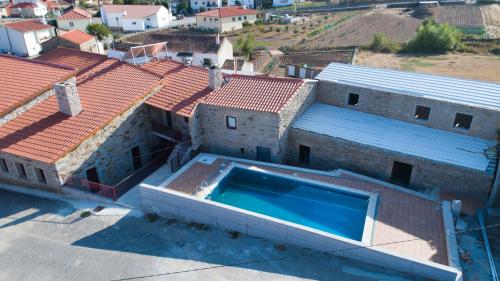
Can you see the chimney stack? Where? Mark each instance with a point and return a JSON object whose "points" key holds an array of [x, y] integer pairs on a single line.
{"points": [[67, 97], [215, 78]]}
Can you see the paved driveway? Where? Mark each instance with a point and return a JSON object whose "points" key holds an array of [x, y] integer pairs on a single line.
{"points": [[48, 240]]}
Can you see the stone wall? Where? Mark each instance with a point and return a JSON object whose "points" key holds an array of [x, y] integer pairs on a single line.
{"points": [[485, 123], [109, 149], [254, 128], [295, 107], [328, 153], [178, 122]]}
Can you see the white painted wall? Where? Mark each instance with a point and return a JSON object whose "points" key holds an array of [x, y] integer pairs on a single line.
{"points": [[4, 39], [133, 24], [247, 3], [279, 3], [23, 44], [225, 52], [115, 20], [197, 4], [77, 24]]}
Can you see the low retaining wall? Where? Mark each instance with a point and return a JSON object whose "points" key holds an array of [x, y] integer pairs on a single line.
{"points": [[168, 203]]}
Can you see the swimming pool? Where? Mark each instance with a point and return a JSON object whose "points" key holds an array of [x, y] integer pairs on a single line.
{"points": [[294, 200]]}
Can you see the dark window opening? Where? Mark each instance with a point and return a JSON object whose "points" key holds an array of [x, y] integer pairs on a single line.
{"points": [[231, 122], [92, 175], [136, 157], [168, 118], [21, 171], [422, 112], [186, 120], [304, 154], [207, 62], [353, 99], [40, 175], [401, 173], [242, 150], [3, 165], [462, 121], [263, 154]]}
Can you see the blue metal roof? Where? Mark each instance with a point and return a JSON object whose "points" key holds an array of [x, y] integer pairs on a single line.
{"points": [[461, 91]]}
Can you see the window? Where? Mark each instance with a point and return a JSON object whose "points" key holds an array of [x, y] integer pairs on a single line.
{"points": [[40, 175], [136, 157], [462, 121], [71, 24], [21, 171], [207, 62], [196, 3], [422, 113], [231, 122], [304, 153], [242, 150], [353, 99], [186, 120], [92, 175], [245, 17], [234, 19], [204, 19], [3, 165], [148, 19], [134, 23], [401, 173], [239, 18], [210, 19], [216, 20]]}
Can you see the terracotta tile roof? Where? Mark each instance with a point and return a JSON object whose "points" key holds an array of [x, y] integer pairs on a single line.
{"points": [[45, 134], [184, 86], [260, 93], [133, 11], [75, 14], [74, 58], [23, 5], [228, 12], [77, 36], [28, 25], [15, 86]]}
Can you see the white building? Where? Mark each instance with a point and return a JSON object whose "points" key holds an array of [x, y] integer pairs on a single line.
{"points": [[75, 18], [225, 19], [24, 38], [279, 3], [135, 17], [205, 4], [28, 8]]}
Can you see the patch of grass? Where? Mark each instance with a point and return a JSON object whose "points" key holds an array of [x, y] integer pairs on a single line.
{"points": [[151, 217], [411, 64], [85, 214]]}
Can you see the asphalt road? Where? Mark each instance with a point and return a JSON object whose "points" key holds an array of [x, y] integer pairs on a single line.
{"points": [[42, 239]]}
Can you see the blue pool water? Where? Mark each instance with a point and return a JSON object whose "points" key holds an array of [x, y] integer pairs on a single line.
{"points": [[320, 207]]}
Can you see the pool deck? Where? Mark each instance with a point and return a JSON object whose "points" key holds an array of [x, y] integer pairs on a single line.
{"points": [[405, 223]]}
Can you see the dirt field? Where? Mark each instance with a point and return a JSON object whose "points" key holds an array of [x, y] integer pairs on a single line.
{"points": [[491, 16], [359, 30], [479, 67]]}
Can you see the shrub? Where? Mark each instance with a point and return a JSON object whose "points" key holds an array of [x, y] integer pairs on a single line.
{"points": [[287, 28], [98, 30], [295, 31], [495, 51], [246, 24], [383, 44], [202, 9], [433, 37], [278, 29]]}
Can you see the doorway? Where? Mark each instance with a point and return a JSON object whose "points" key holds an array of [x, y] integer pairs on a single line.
{"points": [[263, 154], [136, 157], [304, 154], [92, 175], [401, 173]]}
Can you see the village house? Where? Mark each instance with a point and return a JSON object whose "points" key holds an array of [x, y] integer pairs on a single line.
{"points": [[75, 18], [198, 5], [75, 39], [83, 118], [225, 19], [24, 38], [135, 17], [28, 9]]}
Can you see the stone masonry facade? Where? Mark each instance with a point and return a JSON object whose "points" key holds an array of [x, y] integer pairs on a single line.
{"points": [[329, 153], [485, 122]]}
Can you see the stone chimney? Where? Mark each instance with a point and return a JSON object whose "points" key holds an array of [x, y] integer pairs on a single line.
{"points": [[215, 78], [68, 98]]}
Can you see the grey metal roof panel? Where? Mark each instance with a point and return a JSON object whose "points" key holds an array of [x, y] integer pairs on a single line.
{"points": [[460, 91]]}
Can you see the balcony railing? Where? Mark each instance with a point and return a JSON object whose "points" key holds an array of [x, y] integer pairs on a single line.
{"points": [[171, 133]]}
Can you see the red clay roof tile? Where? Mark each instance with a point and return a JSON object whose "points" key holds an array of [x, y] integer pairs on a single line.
{"points": [[23, 80], [28, 25], [260, 93], [45, 134], [75, 14], [76, 36], [228, 12], [73, 58], [184, 86]]}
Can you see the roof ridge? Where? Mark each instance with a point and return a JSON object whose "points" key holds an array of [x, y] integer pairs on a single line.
{"points": [[40, 62], [267, 77]]}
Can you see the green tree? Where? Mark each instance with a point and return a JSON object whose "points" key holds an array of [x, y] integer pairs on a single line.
{"points": [[246, 45], [117, 2], [98, 30], [433, 37], [382, 43]]}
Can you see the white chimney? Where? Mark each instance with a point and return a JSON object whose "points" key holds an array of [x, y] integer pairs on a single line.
{"points": [[215, 78], [68, 98]]}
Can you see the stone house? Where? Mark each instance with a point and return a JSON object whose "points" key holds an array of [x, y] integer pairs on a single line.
{"points": [[85, 119], [417, 130], [75, 39], [225, 19]]}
